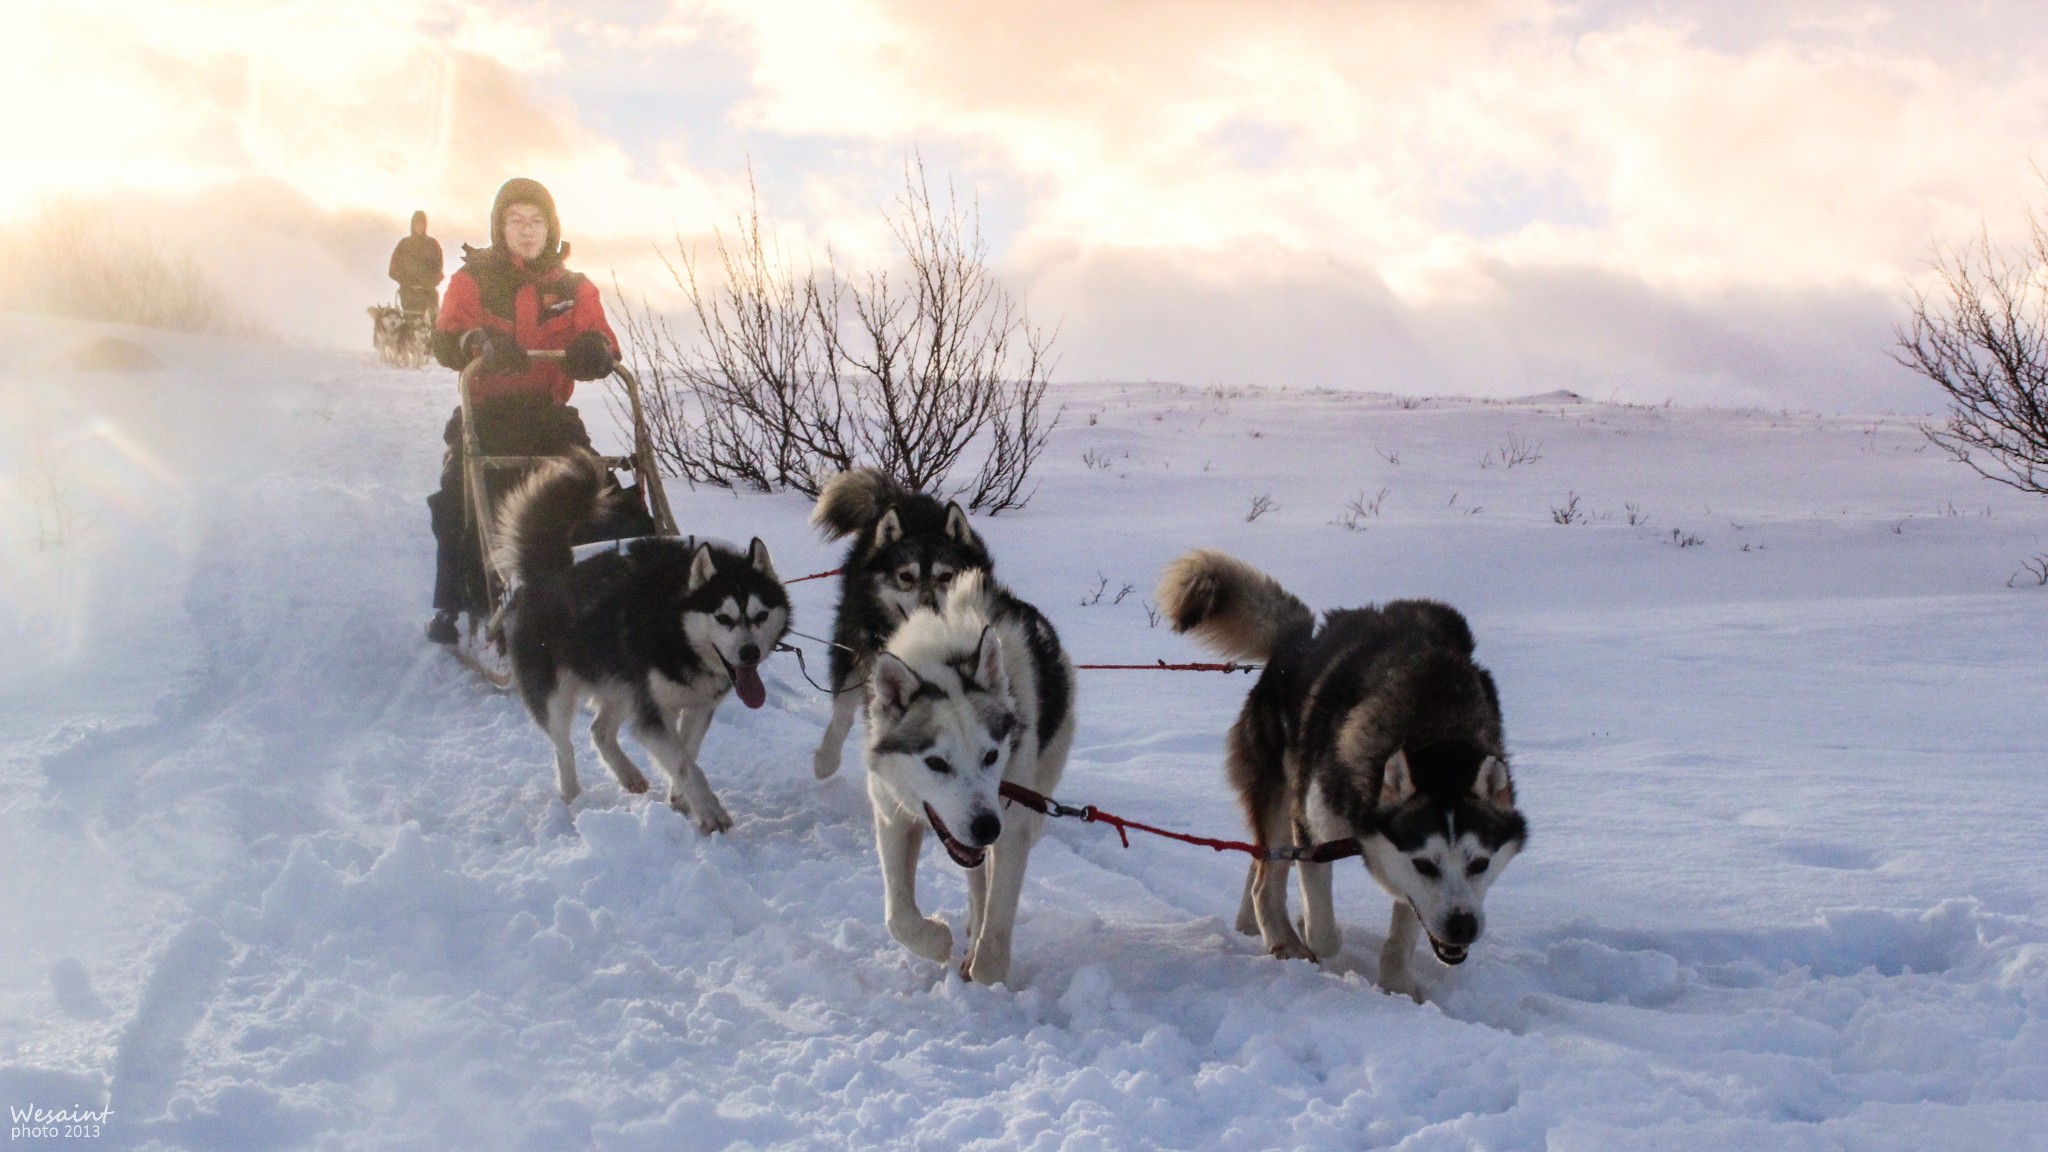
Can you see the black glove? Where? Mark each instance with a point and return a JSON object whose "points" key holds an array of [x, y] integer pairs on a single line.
{"points": [[587, 357], [501, 352]]}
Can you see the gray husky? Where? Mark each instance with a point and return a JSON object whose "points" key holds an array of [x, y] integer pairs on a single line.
{"points": [[656, 632], [1376, 726], [962, 699], [906, 551]]}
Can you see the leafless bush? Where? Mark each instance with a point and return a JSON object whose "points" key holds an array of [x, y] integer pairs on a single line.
{"points": [[1567, 512], [1094, 460], [43, 477], [1358, 510], [1260, 506], [1636, 516], [1518, 451], [1981, 335], [2033, 573], [1684, 539], [1389, 457], [69, 261], [803, 373]]}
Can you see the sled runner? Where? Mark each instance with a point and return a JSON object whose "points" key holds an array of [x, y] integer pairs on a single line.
{"points": [[486, 480]]}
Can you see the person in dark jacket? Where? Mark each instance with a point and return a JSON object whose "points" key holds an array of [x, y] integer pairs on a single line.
{"points": [[506, 300], [416, 265]]}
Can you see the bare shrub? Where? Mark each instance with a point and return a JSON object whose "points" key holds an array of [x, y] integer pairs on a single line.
{"points": [[1518, 451], [57, 517], [1260, 506], [1981, 335], [801, 373], [1567, 512], [69, 260], [2033, 573], [1636, 516], [1358, 509]]}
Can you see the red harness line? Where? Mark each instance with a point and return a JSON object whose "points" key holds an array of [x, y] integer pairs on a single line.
{"points": [[1090, 814], [1163, 666], [815, 576]]}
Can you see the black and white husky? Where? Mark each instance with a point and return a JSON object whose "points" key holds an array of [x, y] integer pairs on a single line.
{"points": [[656, 632], [906, 552], [1378, 725], [962, 699]]}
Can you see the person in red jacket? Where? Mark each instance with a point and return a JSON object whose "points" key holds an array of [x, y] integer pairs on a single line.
{"points": [[507, 300]]}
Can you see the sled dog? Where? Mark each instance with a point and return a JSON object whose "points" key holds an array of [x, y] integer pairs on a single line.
{"points": [[962, 699], [655, 633], [1378, 725], [907, 550], [400, 338]]}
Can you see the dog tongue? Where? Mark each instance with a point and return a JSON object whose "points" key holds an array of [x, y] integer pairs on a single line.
{"points": [[747, 682]]}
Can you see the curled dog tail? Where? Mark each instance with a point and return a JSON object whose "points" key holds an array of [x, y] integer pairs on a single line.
{"points": [[536, 521], [853, 500], [1234, 609]]}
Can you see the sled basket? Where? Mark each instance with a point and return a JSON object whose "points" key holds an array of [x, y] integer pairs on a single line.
{"points": [[486, 480]]}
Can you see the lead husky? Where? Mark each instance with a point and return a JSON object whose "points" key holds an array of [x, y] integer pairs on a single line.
{"points": [[960, 701], [907, 549], [657, 633], [1377, 726]]}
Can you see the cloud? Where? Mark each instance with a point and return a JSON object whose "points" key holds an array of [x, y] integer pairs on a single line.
{"points": [[1688, 199]]}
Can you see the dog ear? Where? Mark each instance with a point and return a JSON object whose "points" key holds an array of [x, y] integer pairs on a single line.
{"points": [[757, 554], [956, 523], [988, 664], [1493, 785], [1396, 783], [893, 683], [888, 529], [702, 567]]}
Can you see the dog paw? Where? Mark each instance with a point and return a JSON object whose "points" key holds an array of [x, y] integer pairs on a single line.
{"points": [[1401, 984], [1292, 950], [570, 792], [825, 761], [985, 969], [927, 936], [636, 783], [714, 818]]}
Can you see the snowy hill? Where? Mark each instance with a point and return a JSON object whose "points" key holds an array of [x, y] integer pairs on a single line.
{"points": [[279, 874]]}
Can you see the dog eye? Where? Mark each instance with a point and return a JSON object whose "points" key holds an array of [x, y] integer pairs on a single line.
{"points": [[938, 764], [724, 619], [1477, 866], [760, 617], [988, 758], [1425, 869], [906, 579], [944, 577]]}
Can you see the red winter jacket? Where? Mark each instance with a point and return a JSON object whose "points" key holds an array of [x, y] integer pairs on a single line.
{"points": [[542, 304]]}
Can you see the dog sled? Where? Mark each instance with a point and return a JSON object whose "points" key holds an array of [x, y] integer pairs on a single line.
{"points": [[487, 479]]}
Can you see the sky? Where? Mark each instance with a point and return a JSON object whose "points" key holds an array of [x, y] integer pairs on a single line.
{"points": [[1704, 202]]}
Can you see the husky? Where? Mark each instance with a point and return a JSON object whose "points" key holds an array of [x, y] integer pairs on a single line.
{"points": [[962, 699], [399, 337], [655, 632], [1377, 726], [906, 552]]}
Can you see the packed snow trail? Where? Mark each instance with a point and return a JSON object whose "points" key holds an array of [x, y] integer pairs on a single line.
{"points": [[279, 874]]}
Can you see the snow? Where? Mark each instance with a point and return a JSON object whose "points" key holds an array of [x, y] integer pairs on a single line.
{"points": [[278, 874]]}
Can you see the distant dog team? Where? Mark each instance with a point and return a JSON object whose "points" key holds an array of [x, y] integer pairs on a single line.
{"points": [[1375, 726]]}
